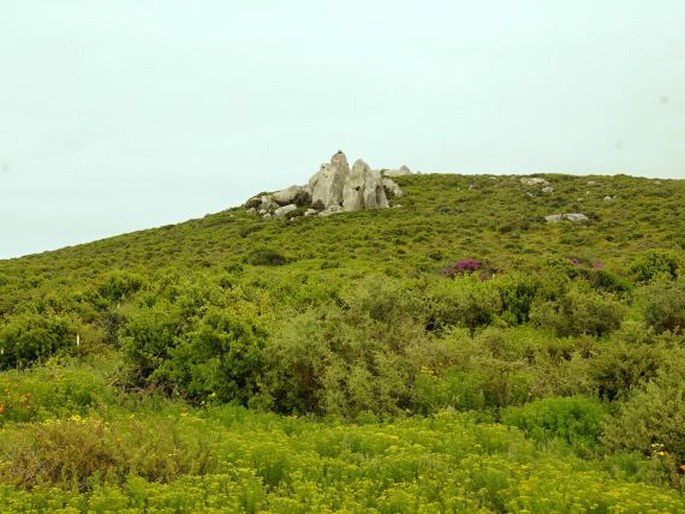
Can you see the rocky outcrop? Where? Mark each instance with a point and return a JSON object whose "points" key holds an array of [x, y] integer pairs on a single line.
{"points": [[334, 188], [327, 185], [364, 189]]}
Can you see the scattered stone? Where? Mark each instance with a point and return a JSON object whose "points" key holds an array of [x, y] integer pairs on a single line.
{"points": [[534, 181], [591, 183], [333, 209], [607, 198], [572, 216], [548, 189], [311, 212]]}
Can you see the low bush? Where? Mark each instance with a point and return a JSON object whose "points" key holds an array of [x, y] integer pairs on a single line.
{"points": [[28, 338], [663, 305], [652, 421], [653, 264], [579, 312], [576, 420]]}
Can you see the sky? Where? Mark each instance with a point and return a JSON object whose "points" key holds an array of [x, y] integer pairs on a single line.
{"points": [[120, 115]]}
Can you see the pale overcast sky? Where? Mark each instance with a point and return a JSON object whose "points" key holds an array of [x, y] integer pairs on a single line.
{"points": [[118, 115]]}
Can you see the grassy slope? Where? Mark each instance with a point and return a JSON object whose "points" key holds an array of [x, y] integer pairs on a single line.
{"points": [[443, 218]]}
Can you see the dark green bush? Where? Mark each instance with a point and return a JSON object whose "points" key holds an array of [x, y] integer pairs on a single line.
{"points": [[221, 356], [618, 367], [652, 421], [664, 306], [26, 339], [118, 285], [517, 292], [266, 257], [653, 264], [465, 301], [579, 311]]}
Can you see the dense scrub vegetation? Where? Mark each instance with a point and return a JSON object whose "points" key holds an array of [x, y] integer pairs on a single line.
{"points": [[458, 353]]}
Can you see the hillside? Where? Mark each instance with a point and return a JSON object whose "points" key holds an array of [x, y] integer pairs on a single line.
{"points": [[325, 364]]}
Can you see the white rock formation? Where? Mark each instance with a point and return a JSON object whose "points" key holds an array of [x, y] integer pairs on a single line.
{"points": [[328, 184], [363, 189]]}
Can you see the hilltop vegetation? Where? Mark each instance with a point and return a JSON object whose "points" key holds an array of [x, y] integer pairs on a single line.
{"points": [[457, 353]]}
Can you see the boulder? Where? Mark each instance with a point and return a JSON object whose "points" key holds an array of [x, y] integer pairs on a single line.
{"points": [[253, 203], [548, 189], [402, 170], [281, 212], [363, 189], [293, 194], [392, 188], [327, 185], [534, 181], [572, 216]]}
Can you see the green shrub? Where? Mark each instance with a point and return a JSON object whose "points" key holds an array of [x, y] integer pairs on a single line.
{"points": [[517, 292], [266, 257], [328, 361], [663, 305], [26, 339], [653, 264], [208, 343], [652, 421], [220, 356], [618, 367], [118, 285], [465, 301], [577, 420], [579, 311]]}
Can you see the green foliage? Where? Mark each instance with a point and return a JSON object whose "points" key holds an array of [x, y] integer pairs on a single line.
{"points": [[652, 421], [198, 350], [664, 306], [653, 264], [517, 293], [579, 312], [28, 338], [266, 257], [118, 285], [464, 301], [347, 319], [618, 367], [576, 420]]}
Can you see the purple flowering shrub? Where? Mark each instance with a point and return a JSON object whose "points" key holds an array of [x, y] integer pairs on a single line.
{"points": [[462, 267]]}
